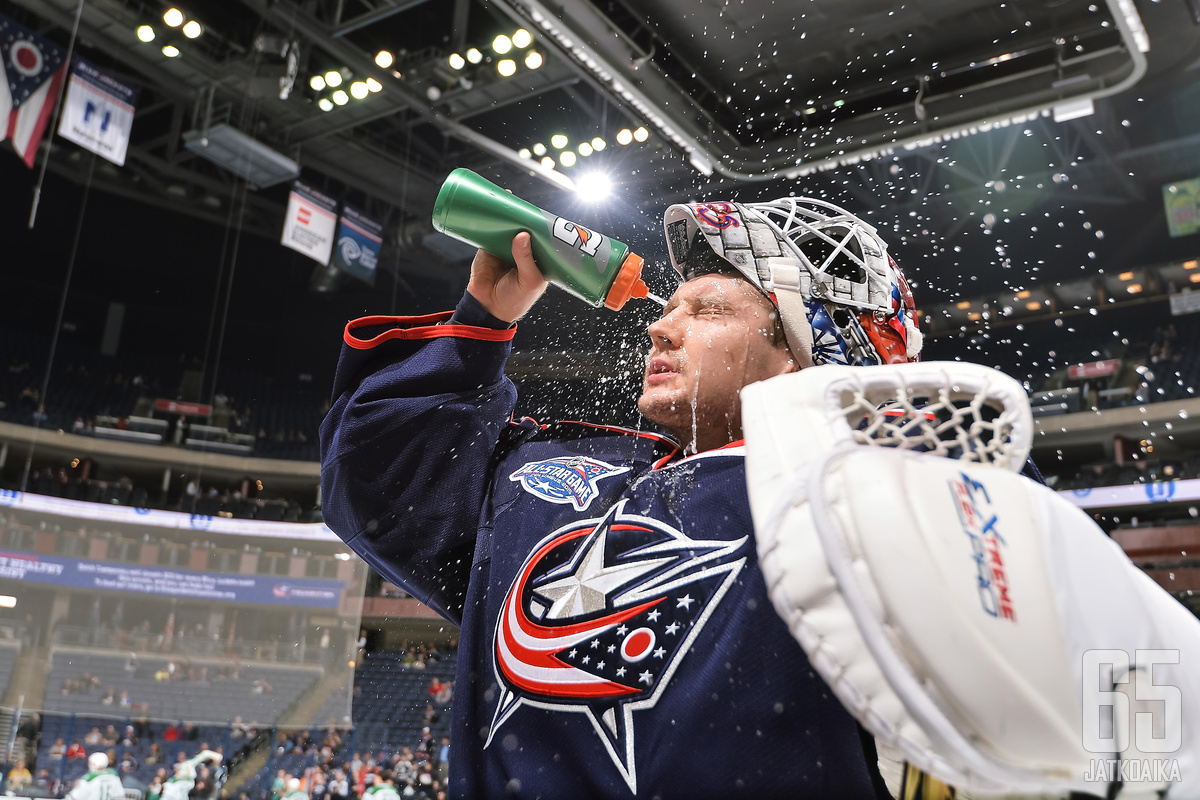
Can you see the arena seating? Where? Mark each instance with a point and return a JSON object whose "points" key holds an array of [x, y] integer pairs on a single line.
{"points": [[391, 700], [8, 662], [177, 699]]}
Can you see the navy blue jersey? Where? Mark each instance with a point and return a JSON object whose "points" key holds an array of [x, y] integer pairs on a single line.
{"points": [[616, 635]]}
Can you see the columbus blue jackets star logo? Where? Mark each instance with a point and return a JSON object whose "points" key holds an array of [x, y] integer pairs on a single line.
{"points": [[599, 618], [568, 479]]}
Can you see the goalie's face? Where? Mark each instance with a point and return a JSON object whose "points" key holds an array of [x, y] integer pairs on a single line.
{"points": [[716, 335]]}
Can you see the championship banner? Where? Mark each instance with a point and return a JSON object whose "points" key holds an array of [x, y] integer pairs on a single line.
{"points": [[359, 241], [310, 223], [98, 111], [168, 582], [1182, 202]]}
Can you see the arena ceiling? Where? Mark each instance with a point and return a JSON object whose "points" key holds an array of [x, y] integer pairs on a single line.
{"points": [[866, 102]]}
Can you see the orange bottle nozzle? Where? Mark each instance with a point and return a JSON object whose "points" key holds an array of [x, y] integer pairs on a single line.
{"points": [[628, 283]]}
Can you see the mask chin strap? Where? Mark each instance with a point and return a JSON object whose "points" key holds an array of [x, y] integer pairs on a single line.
{"points": [[786, 288]]}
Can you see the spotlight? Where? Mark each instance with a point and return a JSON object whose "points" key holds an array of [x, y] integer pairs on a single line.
{"points": [[333, 79], [624, 136], [340, 97], [641, 134], [384, 59], [507, 67], [170, 50], [524, 152], [145, 33], [598, 144], [593, 186], [173, 17], [548, 162], [539, 149], [433, 93], [325, 104], [533, 59], [7, 601], [457, 61], [192, 29], [585, 149], [502, 44], [358, 90], [374, 85], [317, 83], [522, 38], [474, 56], [567, 158], [558, 140]]}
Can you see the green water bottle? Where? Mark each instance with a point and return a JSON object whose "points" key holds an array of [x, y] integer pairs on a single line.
{"points": [[595, 268]]}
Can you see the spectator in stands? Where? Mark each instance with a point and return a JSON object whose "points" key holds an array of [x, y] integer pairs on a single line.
{"points": [[93, 737], [45, 784], [155, 755], [154, 790], [171, 734], [279, 785], [76, 750], [442, 763], [431, 716], [339, 786], [124, 700], [130, 738], [110, 696], [58, 750], [18, 778], [294, 792], [110, 736]]}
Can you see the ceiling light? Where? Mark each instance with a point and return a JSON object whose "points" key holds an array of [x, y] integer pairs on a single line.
{"points": [[502, 44], [1126, 276], [593, 186], [374, 85], [548, 162], [1191, 264], [641, 134], [7, 601], [358, 90], [173, 17], [1033, 305], [522, 38], [558, 140], [1194, 277], [598, 144], [192, 29], [340, 97], [539, 149], [145, 33], [624, 136], [474, 56], [1134, 288], [507, 67], [457, 61], [533, 59], [325, 104], [433, 93], [170, 50], [384, 59], [524, 152], [974, 316], [1023, 294], [333, 79], [963, 305], [567, 158], [585, 149], [317, 83]]}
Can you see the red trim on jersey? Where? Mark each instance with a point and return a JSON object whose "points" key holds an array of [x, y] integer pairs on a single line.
{"points": [[662, 462], [428, 326]]}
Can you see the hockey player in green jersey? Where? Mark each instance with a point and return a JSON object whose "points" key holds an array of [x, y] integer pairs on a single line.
{"points": [[180, 784], [100, 782], [384, 788]]}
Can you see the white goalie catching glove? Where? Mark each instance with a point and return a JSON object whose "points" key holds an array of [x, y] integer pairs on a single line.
{"points": [[962, 612]]}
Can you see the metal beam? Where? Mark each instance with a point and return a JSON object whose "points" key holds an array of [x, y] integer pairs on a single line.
{"points": [[371, 17]]}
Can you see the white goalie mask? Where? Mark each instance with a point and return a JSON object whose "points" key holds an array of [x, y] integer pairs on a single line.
{"points": [[841, 297]]}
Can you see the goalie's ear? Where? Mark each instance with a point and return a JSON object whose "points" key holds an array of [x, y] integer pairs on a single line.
{"points": [[948, 601]]}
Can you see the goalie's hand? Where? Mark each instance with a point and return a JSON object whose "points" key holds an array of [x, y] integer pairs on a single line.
{"points": [[505, 290]]}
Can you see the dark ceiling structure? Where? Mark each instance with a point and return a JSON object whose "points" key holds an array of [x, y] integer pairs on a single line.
{"points": [[953, 125]]}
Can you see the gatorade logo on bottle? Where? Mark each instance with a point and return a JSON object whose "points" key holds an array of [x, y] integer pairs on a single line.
{"points": [[577, 236]]}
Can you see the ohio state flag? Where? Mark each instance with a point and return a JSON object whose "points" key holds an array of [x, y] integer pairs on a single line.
{"points": [[32, 69]]}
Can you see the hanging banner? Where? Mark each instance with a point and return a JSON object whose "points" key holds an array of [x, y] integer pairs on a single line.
{"points": [[310, 223], [359, 241], [1182, 202], [98, 112]]}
